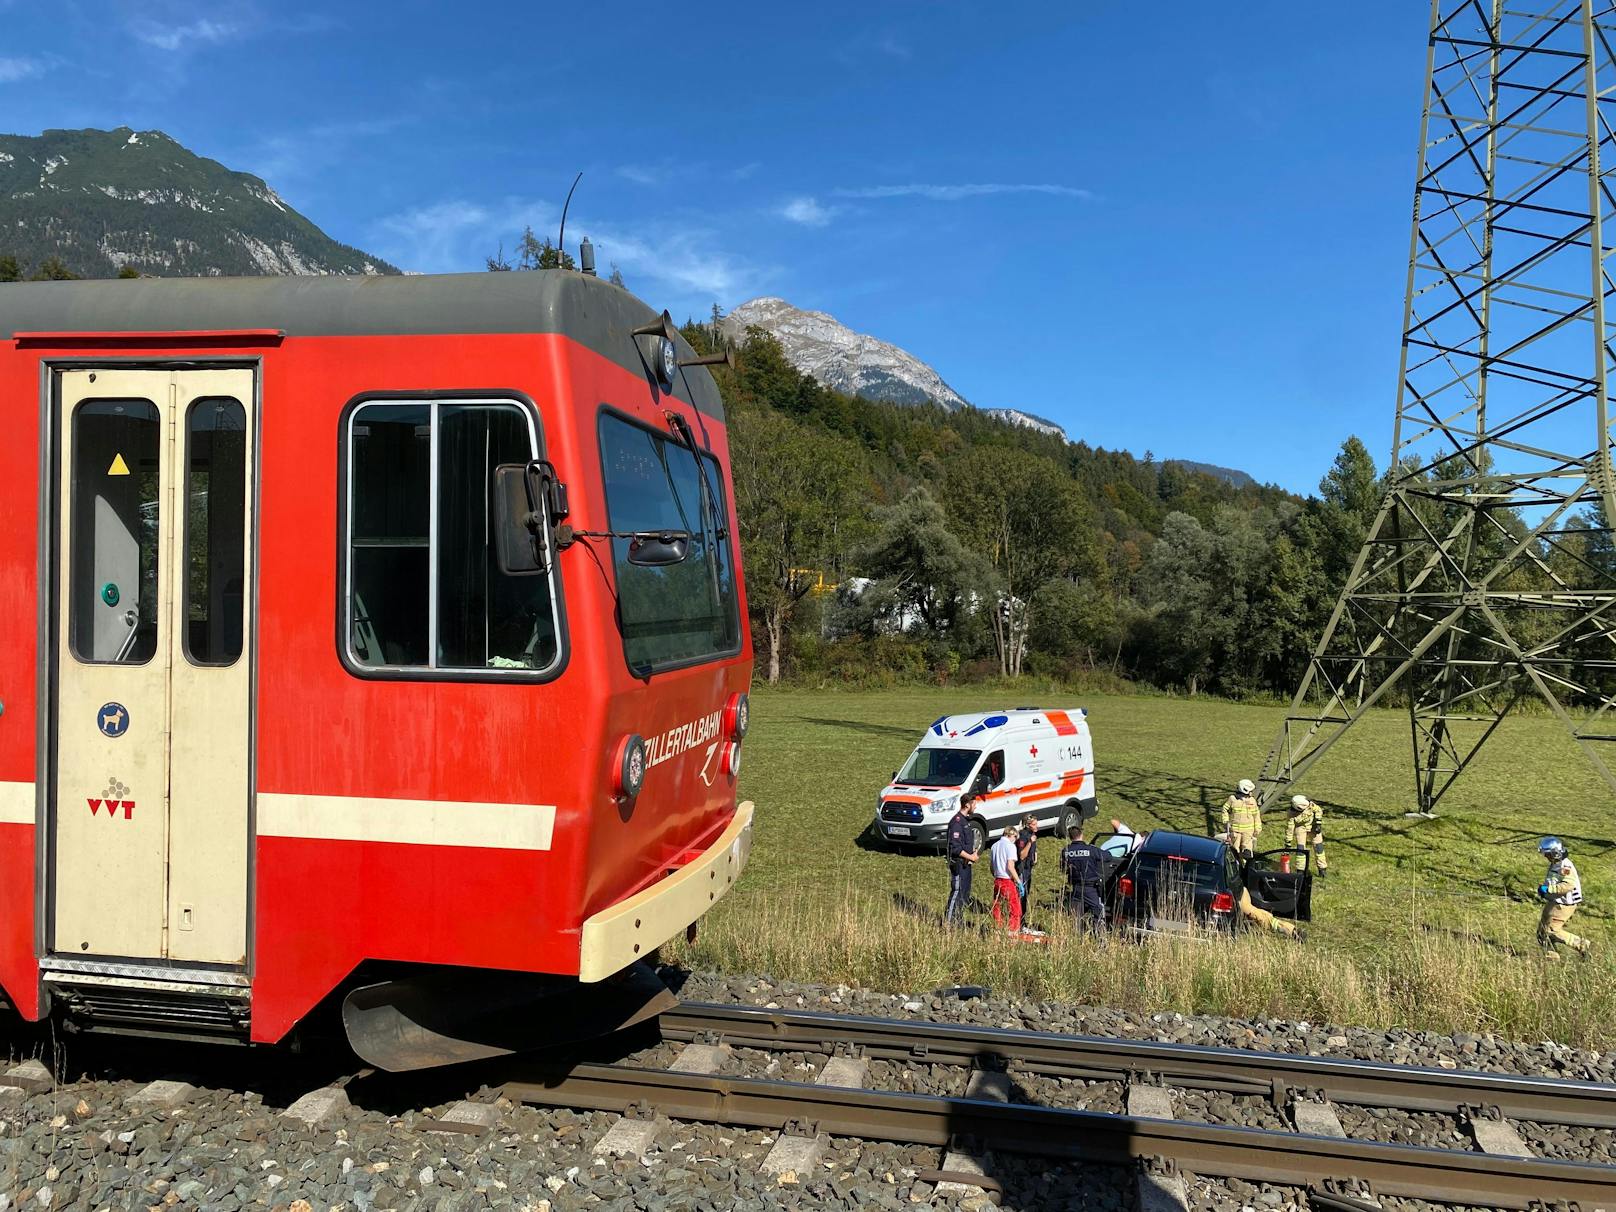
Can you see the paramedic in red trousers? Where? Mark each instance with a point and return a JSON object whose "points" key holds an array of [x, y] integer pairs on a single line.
{"points": [[1006, 886], [960, 858]]}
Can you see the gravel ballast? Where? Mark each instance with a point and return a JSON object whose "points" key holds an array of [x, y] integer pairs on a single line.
{"points": [[85, 1145]]}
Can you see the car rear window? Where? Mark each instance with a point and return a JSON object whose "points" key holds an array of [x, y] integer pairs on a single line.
{"points": [[1169, 873]]}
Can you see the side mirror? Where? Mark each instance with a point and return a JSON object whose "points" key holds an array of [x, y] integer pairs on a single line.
{"points": [[658, 549], [519, 535]]}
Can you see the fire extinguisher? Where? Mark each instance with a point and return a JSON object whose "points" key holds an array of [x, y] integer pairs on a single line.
{"points": [[1285, 863]]}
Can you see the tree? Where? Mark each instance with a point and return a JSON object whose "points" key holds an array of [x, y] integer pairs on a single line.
{"points": [[616, 276], [53, 269], [1025, 516], [797, 496], [531, 253], [129, 271], [10, 271], [922, 577]]}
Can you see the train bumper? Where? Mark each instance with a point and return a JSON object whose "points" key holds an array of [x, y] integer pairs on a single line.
{"points": [[630, 930]]}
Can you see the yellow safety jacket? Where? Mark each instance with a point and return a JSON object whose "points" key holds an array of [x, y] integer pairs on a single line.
{"points": [[1241, 815], [1309, 820]]}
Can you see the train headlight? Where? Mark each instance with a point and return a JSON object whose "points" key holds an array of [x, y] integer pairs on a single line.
{"points": [[667, 362], [732, 759], [629, 768], [737, 716]]}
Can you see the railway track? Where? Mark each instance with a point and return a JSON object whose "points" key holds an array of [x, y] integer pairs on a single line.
{"points": [[1322, 1160]]}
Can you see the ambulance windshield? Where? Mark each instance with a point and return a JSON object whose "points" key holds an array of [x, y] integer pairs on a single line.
{"points": [[939, 767]]}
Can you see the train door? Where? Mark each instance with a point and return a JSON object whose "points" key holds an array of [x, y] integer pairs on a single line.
{"points": [[152, 732]]}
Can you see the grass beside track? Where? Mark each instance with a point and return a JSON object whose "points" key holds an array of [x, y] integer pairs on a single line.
{"points": [[1421, 924]]}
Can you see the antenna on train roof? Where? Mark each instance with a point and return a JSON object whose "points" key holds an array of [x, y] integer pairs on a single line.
{"points": [[561, 237]]}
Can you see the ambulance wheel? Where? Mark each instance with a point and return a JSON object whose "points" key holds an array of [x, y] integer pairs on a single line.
{"points": [[1070, 819], [979, 837]]}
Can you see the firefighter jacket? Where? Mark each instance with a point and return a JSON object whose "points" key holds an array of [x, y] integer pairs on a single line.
{"points": [[1309, 821], [1241, 814], [1563, 883]]}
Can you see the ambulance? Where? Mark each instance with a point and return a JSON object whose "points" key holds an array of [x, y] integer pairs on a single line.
{"points": [[1023, 761]]}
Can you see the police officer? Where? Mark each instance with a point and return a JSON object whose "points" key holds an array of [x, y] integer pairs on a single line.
{"points": [[1242, 819], [1561, 891], [961, 856], [1304, 828], [1082, 863]]}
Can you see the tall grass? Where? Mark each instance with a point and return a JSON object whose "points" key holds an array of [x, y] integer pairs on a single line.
{"points": [[1435, 976]]}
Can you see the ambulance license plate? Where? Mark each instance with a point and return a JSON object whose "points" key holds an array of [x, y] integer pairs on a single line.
{"points": [[898, 830]]}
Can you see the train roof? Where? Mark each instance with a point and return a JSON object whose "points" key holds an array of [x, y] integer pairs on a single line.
{"points": [[586, 309], [975, 729]]}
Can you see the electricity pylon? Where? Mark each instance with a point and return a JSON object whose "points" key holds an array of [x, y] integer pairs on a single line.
{"points": [[1487, 577]]}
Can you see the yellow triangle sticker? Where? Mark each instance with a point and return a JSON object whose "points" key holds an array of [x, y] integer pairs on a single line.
{"points": [[119, 467]]}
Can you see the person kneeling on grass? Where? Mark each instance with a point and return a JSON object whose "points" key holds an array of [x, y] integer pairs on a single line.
{"points": [[1002, 858]]}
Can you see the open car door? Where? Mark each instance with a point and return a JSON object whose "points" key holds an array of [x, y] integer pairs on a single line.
{"points": [[1283, 893], [1115, 847]]}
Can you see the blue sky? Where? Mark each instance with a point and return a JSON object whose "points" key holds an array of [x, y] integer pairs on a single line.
{"points": [[1180, 227]]}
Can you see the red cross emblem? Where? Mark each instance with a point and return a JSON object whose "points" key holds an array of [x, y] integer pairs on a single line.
{"points": [[1035, 751]]}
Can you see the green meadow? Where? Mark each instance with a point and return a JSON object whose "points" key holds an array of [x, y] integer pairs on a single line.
{"points": [[1428, 924]]}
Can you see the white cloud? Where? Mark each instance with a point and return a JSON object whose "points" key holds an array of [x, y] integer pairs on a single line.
{"points": [[680, 268], [640, 174], [810, 212], [15, 69], [201, 32], [955, 193]]}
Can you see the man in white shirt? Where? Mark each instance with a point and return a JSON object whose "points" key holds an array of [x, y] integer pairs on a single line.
{"points": [[1006, 881], [1120, 828]]}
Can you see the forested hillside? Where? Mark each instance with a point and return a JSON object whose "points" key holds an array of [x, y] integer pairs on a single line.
{"points": [[959, 544]]}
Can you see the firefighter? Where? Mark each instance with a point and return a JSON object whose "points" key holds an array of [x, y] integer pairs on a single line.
{"points": [[1242, 818], [961, 856], [1083, 864], [1304, 829], [1267, 920], [1561, 891]]}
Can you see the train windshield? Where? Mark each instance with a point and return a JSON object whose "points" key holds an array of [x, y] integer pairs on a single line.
{"points": [[939, 767], [684, 612]]}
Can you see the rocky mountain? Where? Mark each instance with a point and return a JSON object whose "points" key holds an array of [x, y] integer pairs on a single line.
{"points": [[1027, 420], [822, 346], [101, 200], [852, 362]]}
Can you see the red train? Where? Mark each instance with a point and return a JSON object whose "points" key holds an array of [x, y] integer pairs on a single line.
{"points": [[374, 639]]}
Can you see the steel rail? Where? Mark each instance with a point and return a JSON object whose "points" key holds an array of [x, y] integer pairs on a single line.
{"points": [[1290, 1159], [1341, 1080]]}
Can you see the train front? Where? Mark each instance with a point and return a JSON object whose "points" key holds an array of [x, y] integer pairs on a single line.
{"points": [[629, 512]]}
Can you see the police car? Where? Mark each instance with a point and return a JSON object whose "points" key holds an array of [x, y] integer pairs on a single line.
{"points": [[1024, 761]]}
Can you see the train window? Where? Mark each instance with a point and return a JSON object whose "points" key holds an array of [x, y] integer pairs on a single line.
{"points": [[425, 589], [684, 612], [215, 530], [112, 570]]}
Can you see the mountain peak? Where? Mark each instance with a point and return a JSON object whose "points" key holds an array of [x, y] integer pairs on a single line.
{"points": [[820, 345], [103, 200]]}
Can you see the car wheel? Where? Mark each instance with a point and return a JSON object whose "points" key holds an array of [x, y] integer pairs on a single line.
{"points": [[1070, 819], [979, 837]]}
